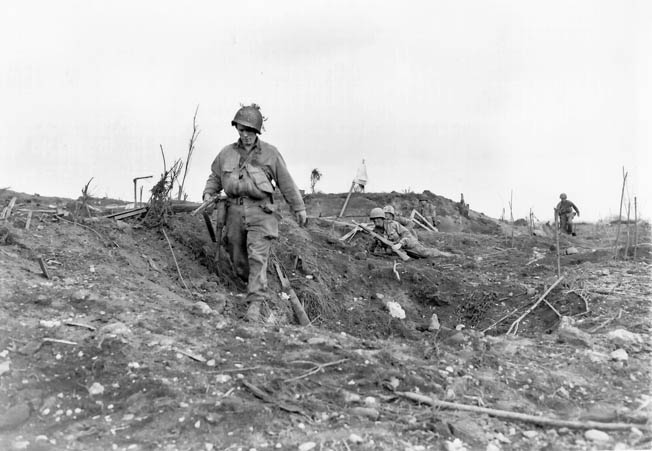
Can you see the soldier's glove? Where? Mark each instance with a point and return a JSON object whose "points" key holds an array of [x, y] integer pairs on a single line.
{"points": [[397, 246]]}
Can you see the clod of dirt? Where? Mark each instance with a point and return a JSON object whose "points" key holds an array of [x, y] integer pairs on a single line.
{"points": [[567, 333], [14, 416]]}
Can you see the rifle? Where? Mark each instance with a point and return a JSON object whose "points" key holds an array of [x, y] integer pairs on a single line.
{"points": [[383, 240]]}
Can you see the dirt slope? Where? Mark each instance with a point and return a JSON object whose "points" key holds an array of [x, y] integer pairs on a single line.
{"points": [[113, 351]]}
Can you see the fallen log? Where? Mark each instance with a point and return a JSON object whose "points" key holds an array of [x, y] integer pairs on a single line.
{"points": [[506, 414]]}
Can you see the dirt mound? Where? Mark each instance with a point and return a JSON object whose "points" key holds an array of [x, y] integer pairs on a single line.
{"points": [[135, 342]]}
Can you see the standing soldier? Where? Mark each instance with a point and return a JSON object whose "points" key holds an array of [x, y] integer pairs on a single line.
{"points": [[427, 210], [564, 210], [249, 171]]}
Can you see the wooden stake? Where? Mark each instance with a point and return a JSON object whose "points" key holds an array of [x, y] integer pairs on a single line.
{"points": [[620, 213], [29, 220], [635, 228], [629, 207], [346, 202], [44, 267], [558, 251], [511, 214], [294, 300]]}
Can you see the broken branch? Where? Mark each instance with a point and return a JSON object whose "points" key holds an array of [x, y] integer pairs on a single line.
{"points": [[513, 329], [506, 414]]}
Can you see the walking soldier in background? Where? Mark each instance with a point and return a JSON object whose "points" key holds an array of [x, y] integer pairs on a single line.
{"points": [[564, 210], [249, 171]]}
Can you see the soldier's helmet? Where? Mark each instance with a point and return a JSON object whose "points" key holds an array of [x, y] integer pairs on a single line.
{"points": [[249, 116], [562, 196], [377, 213], [389, 209]]}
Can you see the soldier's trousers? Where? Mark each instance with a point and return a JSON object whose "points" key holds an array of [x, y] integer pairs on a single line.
{"points": [[566, 222], [250, 231]]}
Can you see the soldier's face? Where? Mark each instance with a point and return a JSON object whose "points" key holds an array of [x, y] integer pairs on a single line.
{"points": [[378, 222], [247, 135]]}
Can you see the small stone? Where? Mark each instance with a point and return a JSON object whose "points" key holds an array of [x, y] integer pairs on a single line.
{"points": [[222, 378], [619, 355], [211, 362], [355, 438], [49, 323], [370, 401], [367, 412], [434, 323], [20, 444], [14, 416], [201, 308], [5, 367], [530, 434], [350, 397], [307, 446], [96, 389], [596, 435]]}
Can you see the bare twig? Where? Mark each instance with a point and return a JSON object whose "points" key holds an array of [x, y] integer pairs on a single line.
{"points": [[316, 369], [607, 321], [191, 149], [175, 261], [629, 207], [72, 323], [398, 277], [165, 170], [506, 414], [513, 329], [500, 320], [56, 340]]}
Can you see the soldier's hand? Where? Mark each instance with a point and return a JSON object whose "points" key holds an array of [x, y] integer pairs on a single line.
{"points": [[397, 246], [301, 217], [207, 197]]}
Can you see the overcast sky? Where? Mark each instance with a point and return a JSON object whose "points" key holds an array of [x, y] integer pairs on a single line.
{"points": [[475, 96]]}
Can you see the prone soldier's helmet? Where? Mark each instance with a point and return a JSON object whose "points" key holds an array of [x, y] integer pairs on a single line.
{"points": [[562, 196], [377, 213], [389, 209], [249, 116]]}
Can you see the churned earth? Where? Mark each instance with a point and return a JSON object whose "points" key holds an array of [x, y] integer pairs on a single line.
{"points": [[136, 340]]}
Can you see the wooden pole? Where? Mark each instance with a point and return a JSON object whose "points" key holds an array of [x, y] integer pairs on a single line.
{"points": [[629, 207], [620, 213], [635, 228], [511, 214], [346, 202], [558, 251]]}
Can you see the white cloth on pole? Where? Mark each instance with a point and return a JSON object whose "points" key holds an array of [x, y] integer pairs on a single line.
{"points": [[361, 175]]}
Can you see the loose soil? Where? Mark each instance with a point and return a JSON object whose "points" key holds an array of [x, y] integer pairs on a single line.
{"points": [[115, 350]]}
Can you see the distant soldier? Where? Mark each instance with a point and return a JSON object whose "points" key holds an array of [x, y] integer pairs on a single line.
{"points": [[400, 236], [463, 207], [564, 210], [427, 210]]}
